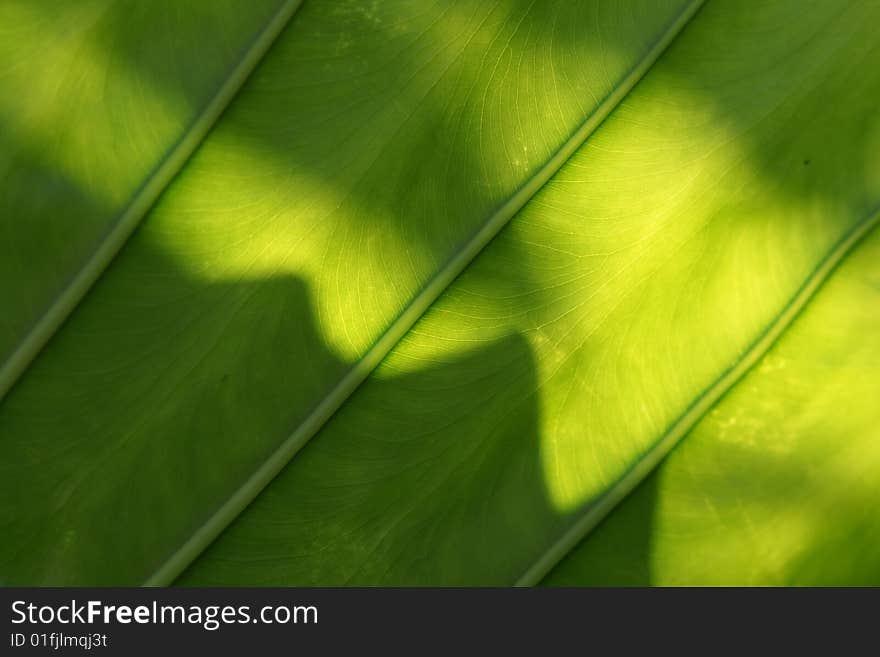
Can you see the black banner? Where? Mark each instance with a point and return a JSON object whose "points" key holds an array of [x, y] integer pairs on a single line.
{"points": [[111, 621]]}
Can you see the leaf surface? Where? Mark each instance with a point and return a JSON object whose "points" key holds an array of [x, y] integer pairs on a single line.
{"points": [[678, 188], [97, 117], [634, 290], [367, 159], [778, 484]]}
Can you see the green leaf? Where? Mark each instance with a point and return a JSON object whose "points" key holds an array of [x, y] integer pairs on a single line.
{"points": [[98, 117], [674, 187], [616, 309], [778, 483]]}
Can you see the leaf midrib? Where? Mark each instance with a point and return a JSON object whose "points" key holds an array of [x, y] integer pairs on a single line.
{"points": [[168, 167], [458, 262], [599, 508]]}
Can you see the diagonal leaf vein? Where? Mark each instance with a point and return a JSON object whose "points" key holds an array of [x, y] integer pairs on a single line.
{"points": [[144, 198], [229, 510], [597, 509]]}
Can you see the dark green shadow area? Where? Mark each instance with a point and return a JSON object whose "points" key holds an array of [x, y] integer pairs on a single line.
{"points": [[95, 488], [439, 480]]}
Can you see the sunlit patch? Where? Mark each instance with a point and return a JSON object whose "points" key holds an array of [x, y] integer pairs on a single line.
{"points": [[82, 111], [706, 221]]}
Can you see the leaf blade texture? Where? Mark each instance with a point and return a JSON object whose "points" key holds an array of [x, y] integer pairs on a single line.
{"points": [[666, 189]]}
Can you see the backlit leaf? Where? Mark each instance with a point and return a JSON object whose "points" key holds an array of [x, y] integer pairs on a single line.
{"points": [[439, 288]]}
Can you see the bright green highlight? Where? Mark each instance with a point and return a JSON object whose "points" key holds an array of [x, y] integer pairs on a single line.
{"points": [[778, 484]]}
